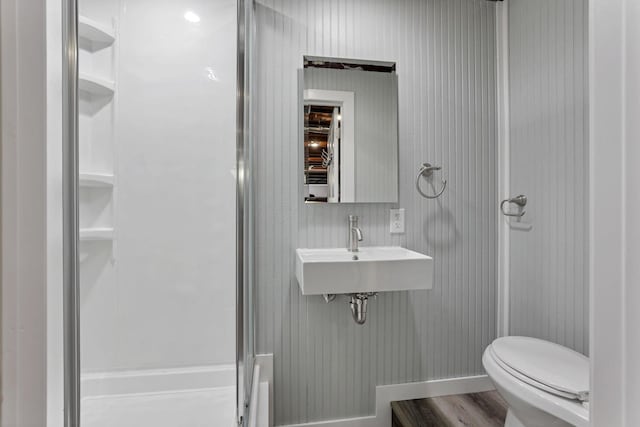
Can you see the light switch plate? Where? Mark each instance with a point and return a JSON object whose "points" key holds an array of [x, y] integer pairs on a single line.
{"points": [[396, 221]]}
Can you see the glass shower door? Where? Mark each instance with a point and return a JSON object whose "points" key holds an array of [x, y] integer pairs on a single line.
{"points": [[157, 212]]}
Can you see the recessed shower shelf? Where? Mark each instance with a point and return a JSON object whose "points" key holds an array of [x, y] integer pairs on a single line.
{"points": [[95, 85], [87, 234], [95, 180], [94, 32]]}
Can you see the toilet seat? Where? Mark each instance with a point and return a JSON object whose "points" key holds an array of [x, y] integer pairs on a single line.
{"points": [[547, 366]]}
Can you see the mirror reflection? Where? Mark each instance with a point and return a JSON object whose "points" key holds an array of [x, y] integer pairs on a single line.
{"points": [[350, 131]]}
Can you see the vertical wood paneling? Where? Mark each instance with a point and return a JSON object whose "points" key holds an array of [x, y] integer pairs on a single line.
{"points": [[549, 159], [326, 366]]}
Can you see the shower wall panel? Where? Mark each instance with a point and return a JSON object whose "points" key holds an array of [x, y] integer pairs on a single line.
{"points": [[162, 293], [176, 198]]}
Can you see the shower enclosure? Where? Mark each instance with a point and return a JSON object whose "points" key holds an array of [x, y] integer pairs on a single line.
{"points": [[158, 302]]}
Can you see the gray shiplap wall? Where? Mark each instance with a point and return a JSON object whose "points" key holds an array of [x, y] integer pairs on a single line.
{"points": [[325, 365], [549, 163]]}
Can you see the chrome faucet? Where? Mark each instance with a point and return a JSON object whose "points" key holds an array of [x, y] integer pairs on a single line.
{"points": [[355, 234]]}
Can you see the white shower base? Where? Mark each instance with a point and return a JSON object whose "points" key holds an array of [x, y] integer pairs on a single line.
{"points": [[201, 397], [194, 408]]}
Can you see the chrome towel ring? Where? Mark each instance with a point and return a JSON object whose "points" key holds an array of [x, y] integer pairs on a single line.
{"points": [[427, 170], [520, 200]]}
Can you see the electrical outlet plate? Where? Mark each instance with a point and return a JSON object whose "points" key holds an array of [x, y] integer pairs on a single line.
{"points": [[396, 221]]}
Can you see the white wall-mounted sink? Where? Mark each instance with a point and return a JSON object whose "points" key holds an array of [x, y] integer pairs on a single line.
{"points": [[376, 269]]}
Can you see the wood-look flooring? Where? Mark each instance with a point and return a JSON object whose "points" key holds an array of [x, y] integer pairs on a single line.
{"points": [[486, 409]]}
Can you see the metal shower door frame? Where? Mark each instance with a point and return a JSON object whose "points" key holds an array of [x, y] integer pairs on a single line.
{"points": [[70, 214]]}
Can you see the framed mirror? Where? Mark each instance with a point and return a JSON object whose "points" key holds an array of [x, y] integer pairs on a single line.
{"points": [[350, 119]]}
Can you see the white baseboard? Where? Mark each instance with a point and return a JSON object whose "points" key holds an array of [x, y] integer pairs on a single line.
{"points": [[265, 415], [265, 390], [418, 390], [157, 380]]}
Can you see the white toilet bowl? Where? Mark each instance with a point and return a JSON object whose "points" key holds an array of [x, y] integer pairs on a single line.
{"points": [[545, 384]]}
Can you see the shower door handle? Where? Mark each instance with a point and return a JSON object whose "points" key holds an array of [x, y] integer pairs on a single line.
{"points": [[520, 200]]}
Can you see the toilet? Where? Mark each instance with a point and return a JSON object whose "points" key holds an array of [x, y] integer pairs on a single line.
{"points": [[545, 384]]}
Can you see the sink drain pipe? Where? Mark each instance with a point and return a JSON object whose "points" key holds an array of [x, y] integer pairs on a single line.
{"points": [[359, 306]]}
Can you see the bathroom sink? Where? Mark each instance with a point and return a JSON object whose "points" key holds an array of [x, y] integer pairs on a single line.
{"points": [[371, 269]]}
